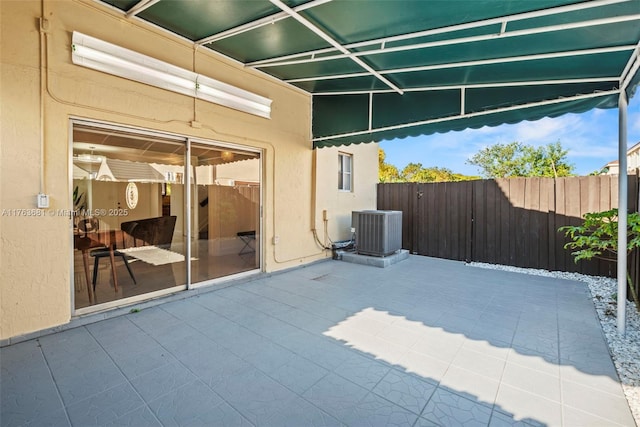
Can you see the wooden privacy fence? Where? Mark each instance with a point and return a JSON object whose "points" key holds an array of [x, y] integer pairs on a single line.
{"points": [[511, 221]]}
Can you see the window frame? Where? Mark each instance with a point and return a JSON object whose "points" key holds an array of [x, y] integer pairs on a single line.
{"points": [[345, 176]]}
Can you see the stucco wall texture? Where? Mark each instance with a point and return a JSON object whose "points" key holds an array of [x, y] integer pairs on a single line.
{"points": [[37, 75]]}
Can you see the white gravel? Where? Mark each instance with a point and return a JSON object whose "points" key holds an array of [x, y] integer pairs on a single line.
{"points": [[625, 352]]}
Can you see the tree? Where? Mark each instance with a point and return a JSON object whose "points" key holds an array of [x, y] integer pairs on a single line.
{"points": [[386, 172], [548, 161], [499, 160], [516, 159], [415, 172]]}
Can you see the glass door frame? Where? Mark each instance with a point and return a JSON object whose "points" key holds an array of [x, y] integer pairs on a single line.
{"points": [[188, 173], [259, 240]]}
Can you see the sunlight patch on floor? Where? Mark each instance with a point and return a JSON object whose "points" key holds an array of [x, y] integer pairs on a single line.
{"points": [[526, 386]]}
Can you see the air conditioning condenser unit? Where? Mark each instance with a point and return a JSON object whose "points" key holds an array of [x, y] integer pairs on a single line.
{"points": [[378, 233]]}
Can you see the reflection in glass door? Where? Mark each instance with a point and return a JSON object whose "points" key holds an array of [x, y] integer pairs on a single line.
{"points": [[134, 214], [225, 195], [129, 226]]}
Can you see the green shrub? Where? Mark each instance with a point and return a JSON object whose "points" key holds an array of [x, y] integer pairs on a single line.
{"points": [[597, 237]]}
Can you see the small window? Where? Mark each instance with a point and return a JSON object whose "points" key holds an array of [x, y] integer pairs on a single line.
{"points": [[345, 168]]}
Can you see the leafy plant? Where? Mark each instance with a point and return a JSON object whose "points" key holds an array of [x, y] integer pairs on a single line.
{"points": [[597, 237]]}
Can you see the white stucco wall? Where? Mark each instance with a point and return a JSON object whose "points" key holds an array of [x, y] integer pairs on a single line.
{"points": [[339, 204]]}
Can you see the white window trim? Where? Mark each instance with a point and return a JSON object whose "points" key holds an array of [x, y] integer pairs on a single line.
{"points": [[342, 174]]}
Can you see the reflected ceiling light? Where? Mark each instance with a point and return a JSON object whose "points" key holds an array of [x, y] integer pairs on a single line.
{"points": [[89, 158], [99, 55], [227, 156]]}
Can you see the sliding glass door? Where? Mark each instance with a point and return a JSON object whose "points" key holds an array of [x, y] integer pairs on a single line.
{"points": [[226, 211], [135, 224]]}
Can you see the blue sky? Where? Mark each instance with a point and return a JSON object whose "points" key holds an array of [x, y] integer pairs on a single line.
{"points": [[591, 139]]}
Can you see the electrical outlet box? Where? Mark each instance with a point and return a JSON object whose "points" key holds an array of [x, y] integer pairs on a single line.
{"points": [[353, 229], [43, 201]]}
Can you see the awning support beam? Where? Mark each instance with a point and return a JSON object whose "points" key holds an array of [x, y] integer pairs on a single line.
{"points": [[455, 41], [622, 213], [631, 68], [448, 29], [475, 63], [615, 81], [267, 20], [141, 6], [324, 36]]}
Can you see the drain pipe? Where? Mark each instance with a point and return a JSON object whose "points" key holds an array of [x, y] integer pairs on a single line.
{"points": [[622, 213]]}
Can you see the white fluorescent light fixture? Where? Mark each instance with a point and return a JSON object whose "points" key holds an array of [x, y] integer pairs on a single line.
{"points": [[99, 55]]}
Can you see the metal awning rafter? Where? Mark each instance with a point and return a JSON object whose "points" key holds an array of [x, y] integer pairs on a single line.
{"points": [[270, 19], [613, 79], [140, 7], [312, 56], [323, 35], [500, 60], [631, 68]]}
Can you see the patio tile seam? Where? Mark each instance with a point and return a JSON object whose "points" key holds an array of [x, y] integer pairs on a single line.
{"points": [[446, 388], [599, 390], [55, 383], [498, 359], [247, 307], [528, 391], [126, 379], [369, 389], [267, 338], [189, 384], [144, 405], [197, 378], [299, 393], [257, 295], [144, 402], [490, 407], [498, 379], [449, 389], [605, 421], [542, 395], [276, 318], [530, 352], [534, 423], [419, 413], [246, 359], [316, 407]]}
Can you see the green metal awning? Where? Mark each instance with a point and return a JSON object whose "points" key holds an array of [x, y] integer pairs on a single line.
{"points": [[382, 69]]}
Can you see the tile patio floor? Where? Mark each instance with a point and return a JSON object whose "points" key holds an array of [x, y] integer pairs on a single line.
{"points": [[424, 342]]}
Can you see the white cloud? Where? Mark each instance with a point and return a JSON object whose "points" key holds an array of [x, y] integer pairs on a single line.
{"points": [[547, 130], [633, 123]]}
